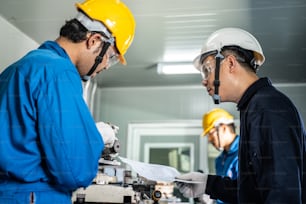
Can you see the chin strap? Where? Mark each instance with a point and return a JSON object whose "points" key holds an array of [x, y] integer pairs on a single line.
{"points": [[219, 148], [98, 60], [216, 96]]}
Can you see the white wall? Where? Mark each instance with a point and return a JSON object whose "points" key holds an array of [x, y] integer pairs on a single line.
{"points": [[122, 106], [13, 44]]}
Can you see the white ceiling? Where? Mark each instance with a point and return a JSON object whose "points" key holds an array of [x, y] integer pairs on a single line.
{"points": [[174, 30]]}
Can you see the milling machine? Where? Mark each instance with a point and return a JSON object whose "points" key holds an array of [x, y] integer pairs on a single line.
{"points": [[113, 184]]}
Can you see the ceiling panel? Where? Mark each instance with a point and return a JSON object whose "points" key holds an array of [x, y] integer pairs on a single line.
{"points": [[174, 30]]}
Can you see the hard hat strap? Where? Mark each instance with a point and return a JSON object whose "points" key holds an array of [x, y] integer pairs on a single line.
{"points": [[219, 140], [98, 60], [216, 95]]}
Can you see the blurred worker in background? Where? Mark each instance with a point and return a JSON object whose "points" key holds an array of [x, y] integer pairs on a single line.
{"points": [[50, 144], [220, 129], [272, 146]]}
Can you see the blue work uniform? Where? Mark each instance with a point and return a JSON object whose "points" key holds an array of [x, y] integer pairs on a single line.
{"points": [[272, 151], [49, 143], [227, 162]]}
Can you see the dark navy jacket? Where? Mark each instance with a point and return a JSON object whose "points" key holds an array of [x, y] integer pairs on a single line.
{"points": [[272, 151]]}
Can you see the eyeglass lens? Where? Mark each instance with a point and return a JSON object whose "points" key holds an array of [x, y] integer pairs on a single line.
{"points": [[205, 71]]}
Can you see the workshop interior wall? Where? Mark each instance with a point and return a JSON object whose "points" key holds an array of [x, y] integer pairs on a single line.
{"points": [[13, 43], [123, 106]]}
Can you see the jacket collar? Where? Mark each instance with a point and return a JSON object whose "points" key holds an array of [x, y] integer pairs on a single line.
{"points": [[234, 145], [248, 94], [55, 47]]}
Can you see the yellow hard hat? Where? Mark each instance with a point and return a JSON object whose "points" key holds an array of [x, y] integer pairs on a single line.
{"points": [[214, 118], [117, 18]]}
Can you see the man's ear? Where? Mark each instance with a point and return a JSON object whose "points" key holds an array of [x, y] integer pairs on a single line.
{"points": [[92, 39], [232, 63], [222, 128]]}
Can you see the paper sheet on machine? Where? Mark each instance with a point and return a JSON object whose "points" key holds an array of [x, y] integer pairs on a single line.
{"points": [[154, 172]]}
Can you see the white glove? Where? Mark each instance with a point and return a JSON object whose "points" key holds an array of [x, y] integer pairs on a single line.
{"points": [[194, 186], [205, 199], [108, 133]]}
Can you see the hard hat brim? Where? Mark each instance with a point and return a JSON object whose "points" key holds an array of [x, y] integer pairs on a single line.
{"points": [[122, 60], [204, 133]]}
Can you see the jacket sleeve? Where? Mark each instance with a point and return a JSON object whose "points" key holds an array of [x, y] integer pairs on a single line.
{"points": [[70, 141], [222, 188]]}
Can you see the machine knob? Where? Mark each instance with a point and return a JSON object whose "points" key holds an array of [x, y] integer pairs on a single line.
{"points": [[156, 195]]}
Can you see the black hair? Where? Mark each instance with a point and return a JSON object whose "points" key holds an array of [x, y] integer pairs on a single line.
{"points": [[243, 56], [74, 31]]}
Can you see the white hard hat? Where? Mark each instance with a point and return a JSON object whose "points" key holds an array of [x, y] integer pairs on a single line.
{"points": [[231, 37]]}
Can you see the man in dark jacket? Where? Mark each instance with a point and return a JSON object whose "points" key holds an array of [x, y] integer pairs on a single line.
{"points": [[272, 144]]}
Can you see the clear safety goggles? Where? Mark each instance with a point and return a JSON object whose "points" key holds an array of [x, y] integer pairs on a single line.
{"points": [[206, 69], [113, 57], [111, 53]]}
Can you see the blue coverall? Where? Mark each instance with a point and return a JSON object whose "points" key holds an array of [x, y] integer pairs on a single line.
{"points": [[227, 162], [272, 151], [49, 143]]}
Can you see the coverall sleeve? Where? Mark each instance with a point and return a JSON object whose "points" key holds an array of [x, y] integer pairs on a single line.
{"points": [[70, 141]]}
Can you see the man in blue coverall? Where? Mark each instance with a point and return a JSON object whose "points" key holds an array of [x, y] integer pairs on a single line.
{"points": [[219, 127], [49, 142], [272, 146]]}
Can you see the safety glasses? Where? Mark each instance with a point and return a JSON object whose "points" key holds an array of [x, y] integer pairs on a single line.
{"points": [[206, 69], [113, 57], [111, 53]]}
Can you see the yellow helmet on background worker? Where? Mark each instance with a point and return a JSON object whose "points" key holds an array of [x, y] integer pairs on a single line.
{"points": [[115, 16], [230, 37], [214, 118]]}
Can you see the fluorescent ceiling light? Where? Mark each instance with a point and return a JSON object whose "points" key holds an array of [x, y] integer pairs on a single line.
{"points": [[176, 68]]}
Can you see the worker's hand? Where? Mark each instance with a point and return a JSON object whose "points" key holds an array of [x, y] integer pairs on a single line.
{"points": [[108, 133], [205, 199], [194, 186]]}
